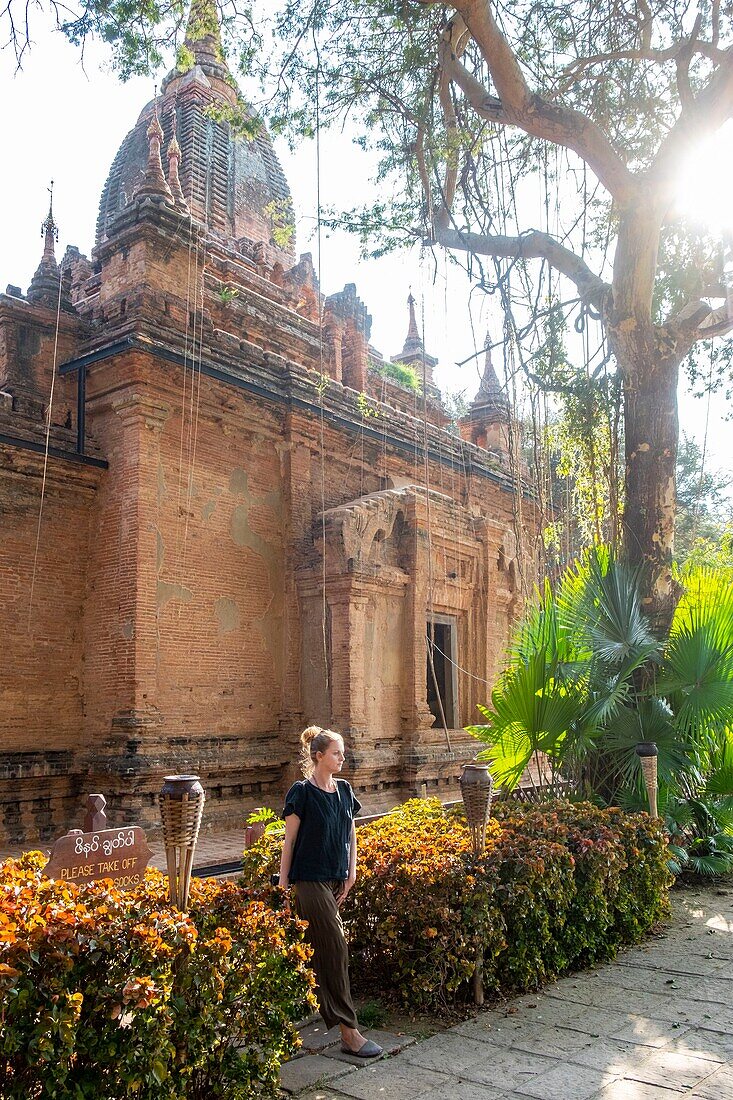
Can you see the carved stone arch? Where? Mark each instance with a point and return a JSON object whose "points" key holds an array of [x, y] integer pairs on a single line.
{"points": [[367, 531]]}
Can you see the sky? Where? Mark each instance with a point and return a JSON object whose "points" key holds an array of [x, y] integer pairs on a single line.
{"points": [[63, 122]]}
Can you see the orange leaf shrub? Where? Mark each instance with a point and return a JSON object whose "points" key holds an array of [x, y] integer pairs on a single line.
{"points": [[558, 887], [111, 994]]}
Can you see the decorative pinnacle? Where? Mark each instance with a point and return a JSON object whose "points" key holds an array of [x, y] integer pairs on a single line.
{"points": [[203, 35], [413, 343], [490, 394], [154, 185], [50, 231], [174, 159], [45, 285], [412, 333]]}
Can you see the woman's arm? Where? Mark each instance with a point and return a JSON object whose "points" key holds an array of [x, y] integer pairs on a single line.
{"points": [[292, 824], [341, 896]]}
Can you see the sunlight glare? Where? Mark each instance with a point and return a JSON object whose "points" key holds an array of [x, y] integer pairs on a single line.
{"points": [[704, 193]]}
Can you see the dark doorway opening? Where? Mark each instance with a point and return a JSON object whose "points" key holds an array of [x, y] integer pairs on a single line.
{"points": [[441, 639]]}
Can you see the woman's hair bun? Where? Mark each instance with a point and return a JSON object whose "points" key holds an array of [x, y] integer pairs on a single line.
{"points": [[309, 734]]}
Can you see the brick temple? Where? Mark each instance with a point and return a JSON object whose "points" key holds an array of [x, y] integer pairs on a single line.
{"points": [[233, 522]]}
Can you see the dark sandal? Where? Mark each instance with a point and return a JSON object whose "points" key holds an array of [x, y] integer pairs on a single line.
{"points": [[368, 1050]]}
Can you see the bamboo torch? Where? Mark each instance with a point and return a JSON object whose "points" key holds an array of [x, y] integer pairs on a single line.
{"points": [[647, 752], [476, 790], [181, 808]]}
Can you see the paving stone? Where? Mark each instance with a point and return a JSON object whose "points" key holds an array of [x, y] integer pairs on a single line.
{"points": [[607, 995], [565, 1082], [610, 1055], [670, 1068], [720, 924], [541, 1038], [498, 1031], [663, 962], [487, 1064], [716, 1046], [718, 1021], [301, 1073], [390, 1042], [450, 1051], [718, 1086], [637, 1090], [315, 1035], [324, 1093], [594, 1021], [645, 1032], [692, 986], [507, 1069], [559, 1013], [395, 1079], [463, 1090]]}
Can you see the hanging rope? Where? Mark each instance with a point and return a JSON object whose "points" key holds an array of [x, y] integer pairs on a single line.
{"points": [[321, 388], [426, 470], [197, 359], [186, 348], [46, 447], [703, 456]]}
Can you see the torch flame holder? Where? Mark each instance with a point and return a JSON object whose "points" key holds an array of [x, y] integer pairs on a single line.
{"points": [[181, 809]]}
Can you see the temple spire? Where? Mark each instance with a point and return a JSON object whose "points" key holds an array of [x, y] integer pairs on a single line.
{"points": [[174, 159], [154, 186], [44, 288], [491, 397], [413, 353], [50, 231], [203, 37], [413, 343]]}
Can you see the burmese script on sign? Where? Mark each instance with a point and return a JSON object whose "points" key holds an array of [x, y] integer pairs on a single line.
{"points": [[119, 854]]}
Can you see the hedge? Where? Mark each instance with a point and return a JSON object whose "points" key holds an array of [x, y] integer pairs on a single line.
{"points": [[558, 888], [111, 994]]}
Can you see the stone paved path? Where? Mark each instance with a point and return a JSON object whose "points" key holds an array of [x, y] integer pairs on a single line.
{"points": [[657, 1024]]}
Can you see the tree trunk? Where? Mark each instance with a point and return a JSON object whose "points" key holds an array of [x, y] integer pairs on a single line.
{"points": [[651, 435]]}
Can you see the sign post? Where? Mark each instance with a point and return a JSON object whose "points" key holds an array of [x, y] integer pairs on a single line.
{"points": [[118, 854]]}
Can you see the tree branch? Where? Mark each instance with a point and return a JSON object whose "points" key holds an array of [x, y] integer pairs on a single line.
{"points": [[573, 72], [454, 39], [530, 246], [710, 108], [700, 321], [520, 107]]}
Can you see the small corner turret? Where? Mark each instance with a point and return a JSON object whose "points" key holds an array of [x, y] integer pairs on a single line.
{"points": [[488, 422]]}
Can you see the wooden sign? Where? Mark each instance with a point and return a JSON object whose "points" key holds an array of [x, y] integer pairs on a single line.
{"points": [[119, 854]]}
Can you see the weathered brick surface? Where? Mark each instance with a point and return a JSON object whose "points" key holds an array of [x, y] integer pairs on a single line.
{"points": [[179, 620]]}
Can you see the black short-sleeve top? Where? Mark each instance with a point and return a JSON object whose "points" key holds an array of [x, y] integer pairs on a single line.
{"points": [[322, 846]]}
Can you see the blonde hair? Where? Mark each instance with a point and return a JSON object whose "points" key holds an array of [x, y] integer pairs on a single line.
{"points": [[312, 741]]}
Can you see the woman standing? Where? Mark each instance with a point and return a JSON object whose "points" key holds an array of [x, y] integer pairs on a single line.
{"points": [[319, 861]]}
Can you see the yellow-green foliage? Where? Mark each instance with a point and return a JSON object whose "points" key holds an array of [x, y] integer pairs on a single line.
{"points": [[557, 888], [113, 995]]}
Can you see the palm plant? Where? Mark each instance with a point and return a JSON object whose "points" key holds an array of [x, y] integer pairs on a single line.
{"points": [[587, 680]]}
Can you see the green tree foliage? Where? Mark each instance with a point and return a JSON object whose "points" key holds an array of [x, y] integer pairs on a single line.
{"points": [[542, 144], [539, 143], [588, 681], [704, 526], [401, 373]]}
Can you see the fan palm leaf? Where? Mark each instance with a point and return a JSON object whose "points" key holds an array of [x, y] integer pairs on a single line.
{"points": [[697, 673]]}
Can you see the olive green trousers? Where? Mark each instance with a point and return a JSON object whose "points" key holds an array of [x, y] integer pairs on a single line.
{"points": [[316, 903]]}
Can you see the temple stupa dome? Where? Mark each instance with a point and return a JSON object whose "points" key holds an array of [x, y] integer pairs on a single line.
{"points": [[231, 183]]}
